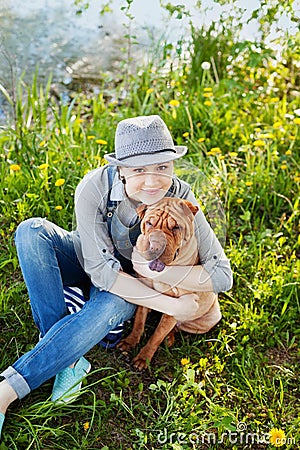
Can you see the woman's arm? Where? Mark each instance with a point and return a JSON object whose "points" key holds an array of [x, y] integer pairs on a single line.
{"points": [[134, 291], [191, 278]]}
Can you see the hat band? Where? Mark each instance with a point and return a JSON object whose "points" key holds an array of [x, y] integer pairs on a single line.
{"points": [[146, 153]]}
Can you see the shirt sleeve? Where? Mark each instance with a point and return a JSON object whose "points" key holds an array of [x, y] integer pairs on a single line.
{"points": [[96, 248], [211, 253]]}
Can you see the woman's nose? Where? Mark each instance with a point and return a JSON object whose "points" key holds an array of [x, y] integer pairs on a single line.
{"points": [[151, 179]]}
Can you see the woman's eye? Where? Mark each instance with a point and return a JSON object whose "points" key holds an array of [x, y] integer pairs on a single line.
{"points": [[139, 170], [161, 168]]}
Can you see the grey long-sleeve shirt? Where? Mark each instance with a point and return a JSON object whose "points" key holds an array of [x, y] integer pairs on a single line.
{"points": [[95, 248]]}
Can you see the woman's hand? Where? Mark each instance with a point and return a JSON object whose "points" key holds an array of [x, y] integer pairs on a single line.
{"points": [[188, 308]]}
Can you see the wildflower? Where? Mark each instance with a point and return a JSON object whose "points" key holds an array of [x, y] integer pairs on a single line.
{"points": [[79, 120], [297, 179], [259, 143], [15, 167], [203, 361], [277, 125], [283, 166], [86, 426], [288, 152], [297, 120], [174, 103], [257, 130], [207, 103], [249, 183], [207, 94], [43, 166], [266, 136], [184, 361], [101, 141], [292, 138], [297, 112], [277, 437], [201, 139], [240, 200], [149, 91], [186, 134], [90, 137], [42, 143], [60, 182], [58, 208], [199, 124], [205, 65], [215, 150], [233, 154], [207, 89], [274, 99]]}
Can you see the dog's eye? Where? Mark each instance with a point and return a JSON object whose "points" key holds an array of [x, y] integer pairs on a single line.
{"points": [[148, 225], [176, 228]]}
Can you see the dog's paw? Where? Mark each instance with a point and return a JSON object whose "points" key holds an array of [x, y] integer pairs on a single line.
{"points": [[141, 363], [127, 344]]}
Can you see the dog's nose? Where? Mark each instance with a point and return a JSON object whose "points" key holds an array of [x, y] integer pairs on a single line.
{"points": [[157, 242]]}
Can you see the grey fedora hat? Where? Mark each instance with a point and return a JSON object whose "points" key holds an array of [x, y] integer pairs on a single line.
{"points": [[144, 140]]}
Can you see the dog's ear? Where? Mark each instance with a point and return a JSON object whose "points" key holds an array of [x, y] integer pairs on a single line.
{"points": [[193, 208], [141, 210]]}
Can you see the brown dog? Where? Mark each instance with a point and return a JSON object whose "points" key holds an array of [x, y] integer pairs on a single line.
{"points": [[168, 238]]}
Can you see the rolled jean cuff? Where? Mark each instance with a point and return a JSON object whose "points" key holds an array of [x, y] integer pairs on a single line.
{"points": [[16, 381]]}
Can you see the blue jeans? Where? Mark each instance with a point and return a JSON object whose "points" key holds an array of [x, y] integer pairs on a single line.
{"points": [[48, 261]]}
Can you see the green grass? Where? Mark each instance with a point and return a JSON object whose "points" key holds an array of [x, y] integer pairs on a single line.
{"points": [[243, 375]]}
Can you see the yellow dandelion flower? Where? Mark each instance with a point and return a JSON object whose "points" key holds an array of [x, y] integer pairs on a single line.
{"points": [[297, 179], [297, 120], [43, 166], [149, 91], [101, 141], [277, 437], [274, 99], [266, 136], [288, 152], [215, 150], [233, 154], [186, 134], [207, 103], [173, 83], [42, 143], [79, 120], [58, 208], [222, 157], [249, 183], [199, 124], [15, 167], [240, 200], [207, 94], [201, 139], [174, 103], [86, 426], [259, 143], [78, 163], [184, 361], [277, 125], [283, 166], [60, 182], [207, 89], [292, 138], [90, 137], [257, 130]]}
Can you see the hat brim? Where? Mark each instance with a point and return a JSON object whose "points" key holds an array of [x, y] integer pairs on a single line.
{"points": [[147, 159]]}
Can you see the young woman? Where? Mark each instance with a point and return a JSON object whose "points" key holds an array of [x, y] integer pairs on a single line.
{"points": [[97, 257]]}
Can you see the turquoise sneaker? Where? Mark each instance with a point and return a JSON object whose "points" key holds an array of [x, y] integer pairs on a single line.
{"points": [[68, 382], [2, 417]]}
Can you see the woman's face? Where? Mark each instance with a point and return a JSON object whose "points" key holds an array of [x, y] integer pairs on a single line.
{"points": [[148, 184]]}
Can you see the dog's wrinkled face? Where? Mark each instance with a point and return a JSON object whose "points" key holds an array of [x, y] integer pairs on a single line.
{"points": [[165, 227]]}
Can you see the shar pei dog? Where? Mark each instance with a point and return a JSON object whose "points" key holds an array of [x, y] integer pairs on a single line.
{"points": [[168, 238]]}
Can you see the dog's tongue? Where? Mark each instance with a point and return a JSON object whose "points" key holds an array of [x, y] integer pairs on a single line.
{"points": [[156, 265]]}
